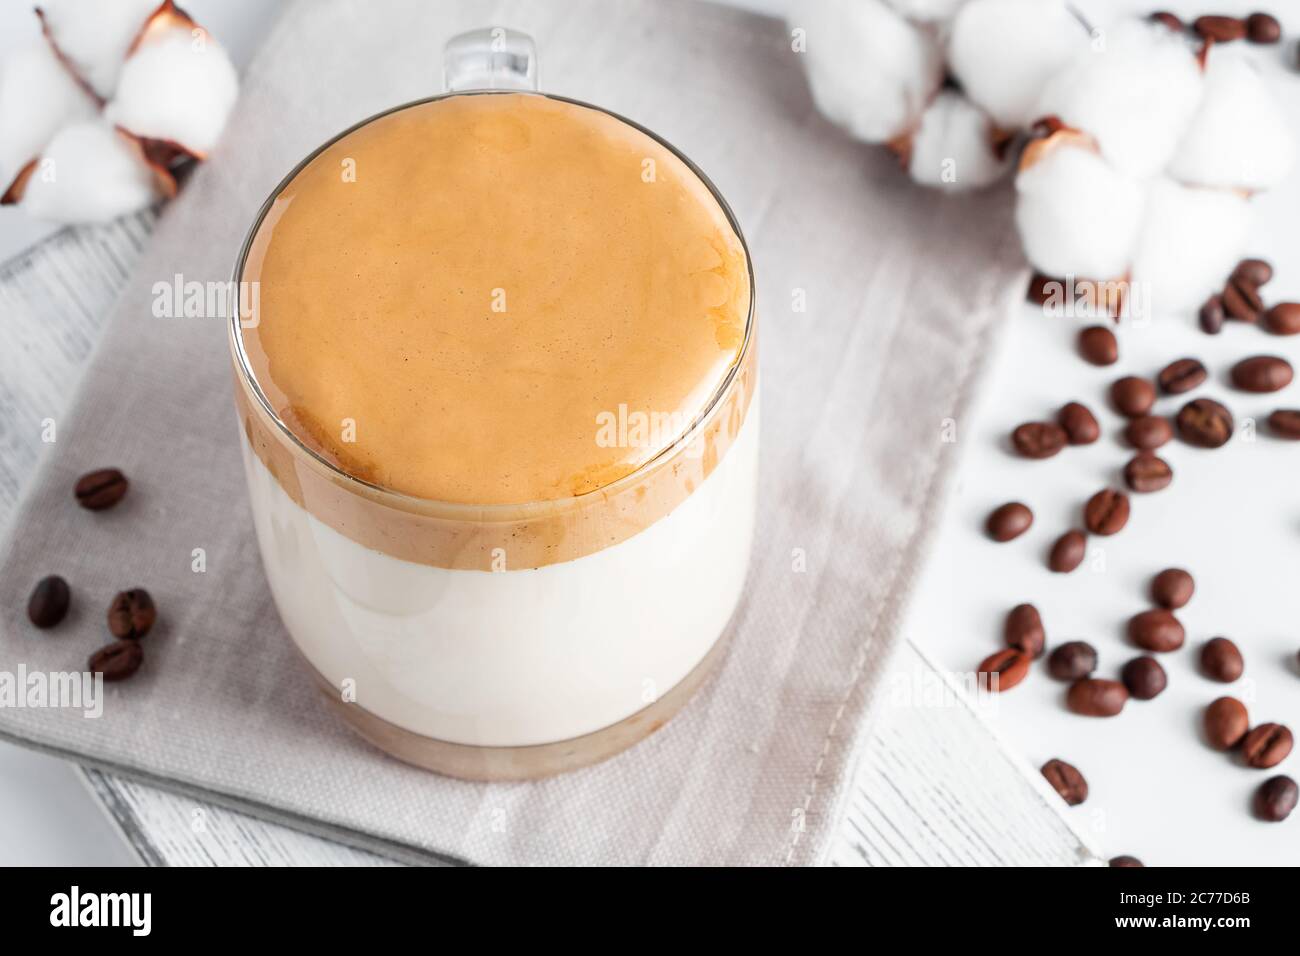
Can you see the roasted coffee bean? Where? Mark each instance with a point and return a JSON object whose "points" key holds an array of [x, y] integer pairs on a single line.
{"points": [[1266, 746], [1169, 20], [1093, 697], [1172, 588], [1156, 630], [1133, 396], [1226, 723], [101, 489], [1144, 677], [131, 614], [1080, 424], [1212, 315], [1005, 669], [1147, 472], [1009, 521], [1285, 423], [1241, 301], [1042, 289], [117, 661], [1128, 861], [1149, 432], [1068, 552], [1262, 373], [1106, 512], [1181, 376], [1263, 28], [1221, 661], [1072, 661], [1023, 630], [1255, 272], [1220, 29], [1275, 798], [1204, 423], [49, 601], [1039, 439], [1098, 345], [1283, 318], [1066, 780]]}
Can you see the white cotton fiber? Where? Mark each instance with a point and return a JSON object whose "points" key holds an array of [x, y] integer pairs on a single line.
{"points": [[37, 96], [89, 172], [953, 149], [94, 35], [926, 11]]}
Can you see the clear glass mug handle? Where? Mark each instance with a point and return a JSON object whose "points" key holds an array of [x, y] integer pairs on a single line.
{"points": [[493, 58]]}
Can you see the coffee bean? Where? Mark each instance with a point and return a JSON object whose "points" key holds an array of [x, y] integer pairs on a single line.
{"points": [[1080, 424], [1066, 781], [101, 489], [1266, 746], [1005, 669], [131, 614], [49, 601], [1283, 318], [1156, 630], [1285, 423], [1149, 432], [1042, 289], [1204, 423], [1093, 697], [1098, 345], [1172, 588], [1221, 661], [1220, 29], [1128, 861], [1255, 272], [1181, 376], [1144, 677], [1262, 373], [1072, 661], [1147, 472], [1038, 439], [1275, 798], [1241, 301], [1263, 28], [117, 661], [1106, 512], [1212, 315], [1226, 723], [1068, 552], [1009, 521], [1167, 19], [1023, 630], [1133, 396]]}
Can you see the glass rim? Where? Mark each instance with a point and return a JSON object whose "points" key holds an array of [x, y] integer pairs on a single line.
{"points": [[507, 510]]}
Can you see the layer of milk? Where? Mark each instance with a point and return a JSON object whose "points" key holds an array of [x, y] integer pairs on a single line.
{"points": [[514, 657]]}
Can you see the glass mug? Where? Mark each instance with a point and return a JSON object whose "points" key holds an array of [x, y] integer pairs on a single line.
{"points": [[467, 632]]}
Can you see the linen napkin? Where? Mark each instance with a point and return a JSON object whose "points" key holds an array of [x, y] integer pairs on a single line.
{"points": [[878, 303]]}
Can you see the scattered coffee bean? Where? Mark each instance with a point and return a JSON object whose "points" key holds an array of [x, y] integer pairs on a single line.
{"points": [[1283, 318], [1098, 345], [1148, 432], [1009, 521], [1266, 746], [1276, 798], [1212, 315], [1106, 512], [1128, 861], [1172, 588], [1285, 423], [1005, 669], [1262, 373], [1066, 781], [117, 661], [1094, 697], [1039, 439], [101, 489], [1068, 552], [1080, 424], [1133, 396], [49, 601], [1156, 630], [1205, 423], [1042, 288], [1226, 723], [1220, 29], [1144, 677], [1181, 376], [1023, 630], [1221, 661], [1168, 19], [1255, 272], [1147, 472], [1241, 301], [1263, 28], [131, 614], [1072, 661]]}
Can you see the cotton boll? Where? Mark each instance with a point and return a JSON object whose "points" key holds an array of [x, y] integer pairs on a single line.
{"points": [[1077, 214], [90, 173], [1191, 239], [37, 96], [94, 35], [1004, 51], [953, 148], [1135, 95], [927, 11], [1239, 138], [870, 70]]}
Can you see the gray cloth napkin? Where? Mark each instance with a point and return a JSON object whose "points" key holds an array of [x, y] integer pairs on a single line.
{"points": [[904, 292]]}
